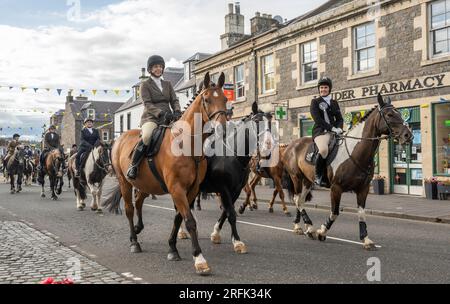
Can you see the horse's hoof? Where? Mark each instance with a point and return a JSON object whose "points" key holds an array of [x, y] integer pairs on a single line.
{"points": [[83, 205], [288, 214], [80, 208], [173, 256], [298, 231], [99, 211], [135, 248], [202, 269], [215, 238], [239, 247], [270, 210], [94, 209], [241, 210], [321, 237], [255, 206], [370, 247], [182, 235], [138, 229], [43, 195], [55, 198]]}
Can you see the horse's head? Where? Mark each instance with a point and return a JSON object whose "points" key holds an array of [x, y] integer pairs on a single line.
{"points": [[19, 154], [57, 160], [391, 122], [102, 156], [213, 100]]}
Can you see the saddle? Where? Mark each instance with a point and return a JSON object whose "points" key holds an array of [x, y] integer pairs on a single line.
{"points": [[153, 149], [313, 152]]}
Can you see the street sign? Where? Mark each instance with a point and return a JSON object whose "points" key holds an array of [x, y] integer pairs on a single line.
{"points": [[228, 90], [281, 113]]}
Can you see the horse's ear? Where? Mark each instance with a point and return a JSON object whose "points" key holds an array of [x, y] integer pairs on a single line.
{"points": [[200, 86], [380, 100], [389, 101], [255, 108], [206, 81], [221, 80]]}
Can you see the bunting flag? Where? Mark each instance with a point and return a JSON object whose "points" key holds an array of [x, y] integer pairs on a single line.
{"points": [[59, 91]]}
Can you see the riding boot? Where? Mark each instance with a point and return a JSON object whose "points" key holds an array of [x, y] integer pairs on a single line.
{"points": [[320, 169], [139, 153]]}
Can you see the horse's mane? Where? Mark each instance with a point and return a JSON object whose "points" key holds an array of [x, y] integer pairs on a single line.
{"points": [[283, 145], [365, 117]]}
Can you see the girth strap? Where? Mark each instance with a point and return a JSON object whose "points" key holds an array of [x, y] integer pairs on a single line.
{"points": [[152, 166]]}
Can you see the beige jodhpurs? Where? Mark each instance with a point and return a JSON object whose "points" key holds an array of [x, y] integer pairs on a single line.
{"points": [[147, 131], [322, 142]]}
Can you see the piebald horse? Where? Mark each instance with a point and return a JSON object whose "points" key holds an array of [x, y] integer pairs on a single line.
{"points": [[53, 166], [351, 170], [181, 173], [14, 166], [97, 166], [275, 173]]}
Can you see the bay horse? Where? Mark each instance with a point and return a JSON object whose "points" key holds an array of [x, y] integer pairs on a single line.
{"points": [[275, 173], [92, 176], [180, 173], [14, 166], [351, 170], [53, 167]]}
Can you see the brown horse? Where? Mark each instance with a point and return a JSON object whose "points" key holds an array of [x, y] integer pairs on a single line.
{"points": [[53, 166], [351, 170], [181, 173], [275, 173]]}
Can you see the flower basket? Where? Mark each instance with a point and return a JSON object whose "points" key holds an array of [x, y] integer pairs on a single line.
{"points": [[378, 185], [431, 191]]}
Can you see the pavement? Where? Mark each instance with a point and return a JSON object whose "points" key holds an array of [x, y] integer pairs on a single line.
{"points": [[391, 205]]}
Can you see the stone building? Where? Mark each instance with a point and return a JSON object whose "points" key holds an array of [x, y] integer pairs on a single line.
{"points": [[400, 48], [77, 109]]}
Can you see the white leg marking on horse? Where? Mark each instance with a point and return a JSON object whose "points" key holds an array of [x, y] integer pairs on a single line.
{"points": [[199, 259], [215, 235], [361, 214]]}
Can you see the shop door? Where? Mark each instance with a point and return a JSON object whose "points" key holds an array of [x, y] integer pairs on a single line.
{"points": [[407, 164]]}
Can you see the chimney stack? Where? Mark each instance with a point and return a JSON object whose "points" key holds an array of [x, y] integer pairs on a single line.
{"points": [[262, 23], [69, 97], [234, 26]]}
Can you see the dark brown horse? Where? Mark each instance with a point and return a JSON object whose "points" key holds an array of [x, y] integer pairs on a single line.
{"points": [[14, 166], [181, 173], [351, 170], [275, 173], [53, 167]]}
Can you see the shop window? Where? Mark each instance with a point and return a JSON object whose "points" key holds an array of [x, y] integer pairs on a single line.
{"points": [[441, 128]]}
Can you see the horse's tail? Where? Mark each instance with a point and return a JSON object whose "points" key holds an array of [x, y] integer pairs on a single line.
{"points": [[77, 185], [289, 185], [112, 203]]}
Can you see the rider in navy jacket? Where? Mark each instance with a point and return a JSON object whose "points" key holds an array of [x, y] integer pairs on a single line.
{"points": [[90, 137]]}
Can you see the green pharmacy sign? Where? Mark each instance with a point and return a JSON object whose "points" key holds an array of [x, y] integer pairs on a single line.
{"points": [[281, 113]]}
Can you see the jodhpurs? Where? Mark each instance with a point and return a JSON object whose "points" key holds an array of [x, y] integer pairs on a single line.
{"points": [[322, 142]]}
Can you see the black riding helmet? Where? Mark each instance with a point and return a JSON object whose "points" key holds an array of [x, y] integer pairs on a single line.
{"points": [[325, 81], [16, 135], [153, 60]]}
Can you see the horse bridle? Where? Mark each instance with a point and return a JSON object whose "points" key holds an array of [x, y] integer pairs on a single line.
{"points": [[214, 114], [105, 164]]}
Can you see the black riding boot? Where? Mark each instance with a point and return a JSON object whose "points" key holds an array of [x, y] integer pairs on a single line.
{"points": [[320, 170], [138, 154]]}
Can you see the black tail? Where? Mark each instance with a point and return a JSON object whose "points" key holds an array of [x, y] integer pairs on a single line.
{"points": [[289, 185], [80, 187], [112, 203]]}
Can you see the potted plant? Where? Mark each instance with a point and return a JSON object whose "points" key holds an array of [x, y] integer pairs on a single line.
{"points": [[443, 189], [378, 184], [431, 191]]}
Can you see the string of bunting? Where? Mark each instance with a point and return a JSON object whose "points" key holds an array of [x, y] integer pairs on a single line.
{"points": [[105, 115], [60, 91]]}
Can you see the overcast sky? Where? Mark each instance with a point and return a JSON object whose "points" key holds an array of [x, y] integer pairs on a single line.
{"points": [[48, 44]]}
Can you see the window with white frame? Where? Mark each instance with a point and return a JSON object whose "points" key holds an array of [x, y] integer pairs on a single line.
{"points": [[129, 121], [364, 42], [440, 27], [105, 135], [268, 73], [309, 61], [239, 81], [91, 113]]}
